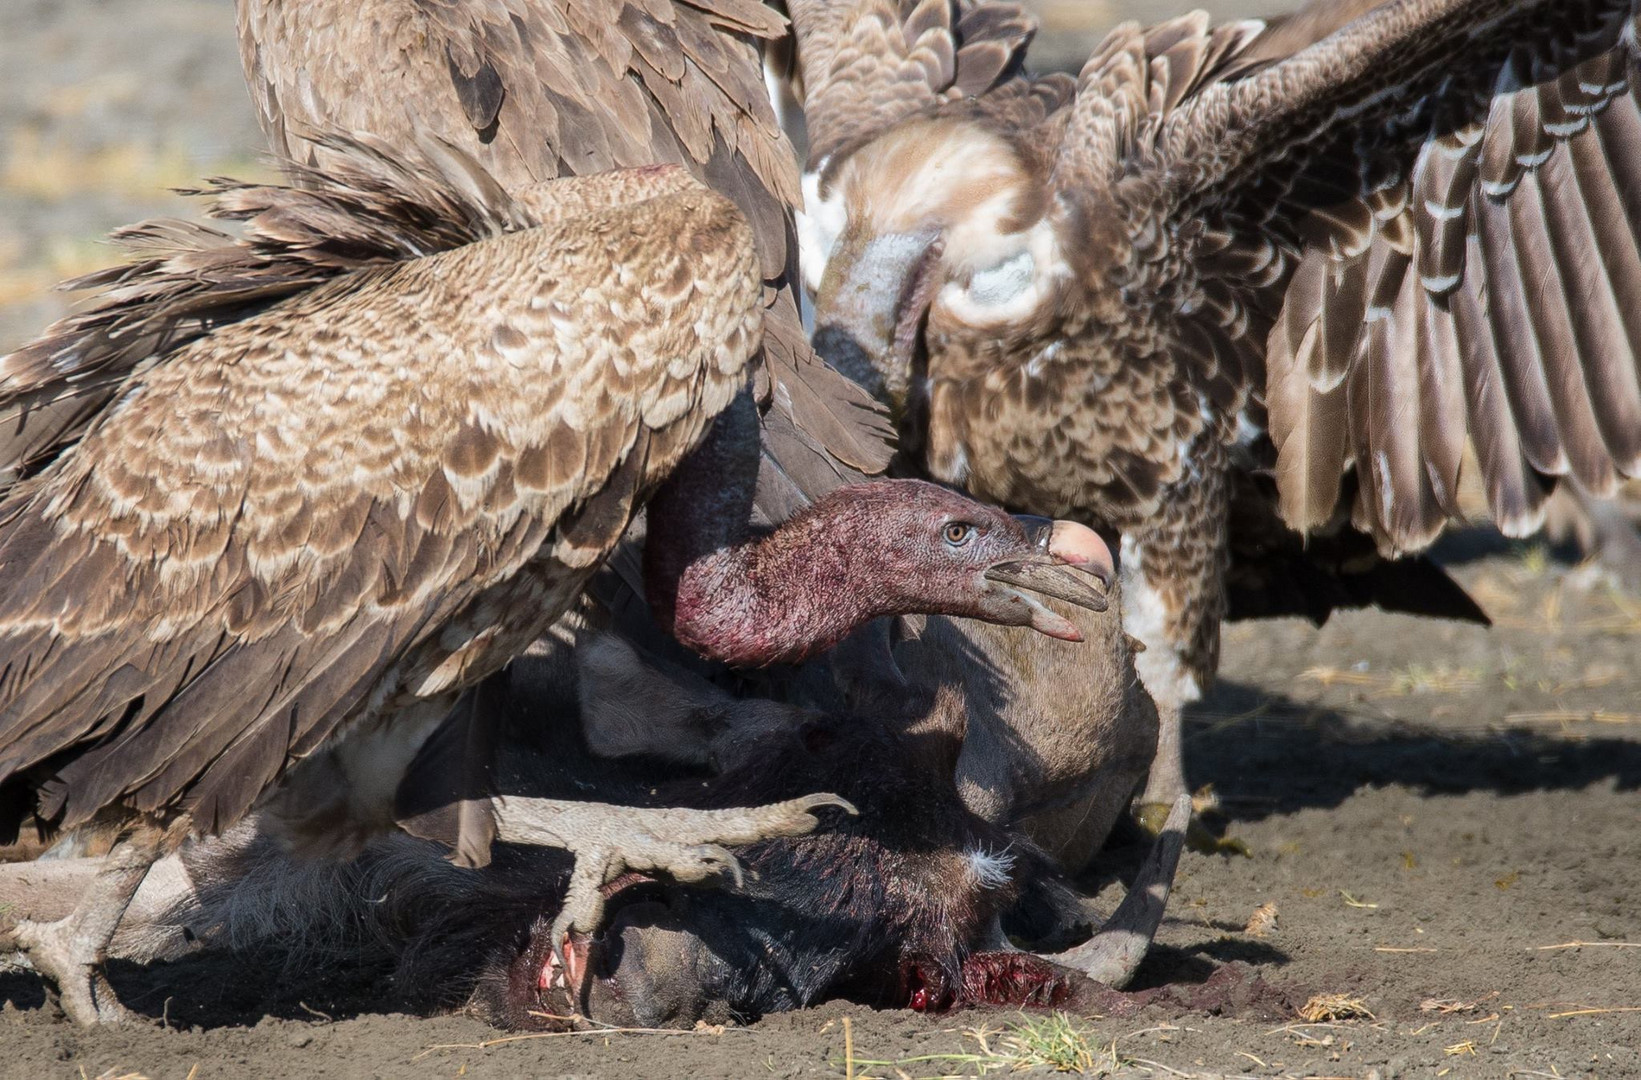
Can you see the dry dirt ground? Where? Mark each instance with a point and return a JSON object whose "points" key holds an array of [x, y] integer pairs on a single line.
{"points": [[1443, 817]]}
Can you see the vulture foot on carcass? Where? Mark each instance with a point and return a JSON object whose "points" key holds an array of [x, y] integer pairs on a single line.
{"points": [[1295, 266], [281, 499], [70, 951], [609, 841]]}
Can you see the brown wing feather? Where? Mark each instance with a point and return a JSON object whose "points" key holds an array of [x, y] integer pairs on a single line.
{"points": [[370, 209], [1303, 415], [1442, 421], [544, 89], [1550, 324], [1506, 121], [375, 491], [1596, 263], [1511, 474]]}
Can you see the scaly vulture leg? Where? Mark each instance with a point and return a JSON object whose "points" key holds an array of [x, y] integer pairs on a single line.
{"points": [[1166, 781], [70, 952], [1602, 528], [1166, 786], [607, 841], [1173, 602]]}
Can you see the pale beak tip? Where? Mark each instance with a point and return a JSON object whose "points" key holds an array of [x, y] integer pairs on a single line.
{"points": [[1079, 546]]}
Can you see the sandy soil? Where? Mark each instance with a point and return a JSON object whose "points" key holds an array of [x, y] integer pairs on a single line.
{"points": [[1436, 812]]}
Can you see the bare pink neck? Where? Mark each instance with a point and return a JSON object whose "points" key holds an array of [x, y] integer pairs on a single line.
{"points": [[776, 598], [733, 595]]}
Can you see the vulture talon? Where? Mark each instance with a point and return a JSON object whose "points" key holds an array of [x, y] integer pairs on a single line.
{"points": [[608, 841], [69, 952], [73, 965]]}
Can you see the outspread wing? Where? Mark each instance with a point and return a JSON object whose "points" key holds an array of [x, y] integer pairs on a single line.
{"points": [[374, 491], [1441, 203], [535, 89]]}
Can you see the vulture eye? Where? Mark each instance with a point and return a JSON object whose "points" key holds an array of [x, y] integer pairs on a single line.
{"points": [[958, 533]]}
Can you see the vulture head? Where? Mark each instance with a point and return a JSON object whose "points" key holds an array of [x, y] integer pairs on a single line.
{"points": [[939, 223], [937, 548], [883, 548]]}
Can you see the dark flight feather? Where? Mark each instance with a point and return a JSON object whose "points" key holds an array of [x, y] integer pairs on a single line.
{"points": [[1507, 119]]}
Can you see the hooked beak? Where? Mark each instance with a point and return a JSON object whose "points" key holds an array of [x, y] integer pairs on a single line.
{"points": [[870, 306], [1070, 563]]}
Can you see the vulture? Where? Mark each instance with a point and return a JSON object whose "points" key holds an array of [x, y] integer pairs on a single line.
{"points": [[1315, 257], [329, 473]]}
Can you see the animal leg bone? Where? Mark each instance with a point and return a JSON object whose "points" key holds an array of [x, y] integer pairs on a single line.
{"points": [[1113, 955], [70, 952], [607, 841]]}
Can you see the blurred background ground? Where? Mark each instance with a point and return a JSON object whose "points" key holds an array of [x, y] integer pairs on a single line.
{"points": [[1436, 812], [1071, 27], [105, 105]]}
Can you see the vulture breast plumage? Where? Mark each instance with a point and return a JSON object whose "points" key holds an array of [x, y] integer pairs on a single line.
{"points": [[1332, 249]]}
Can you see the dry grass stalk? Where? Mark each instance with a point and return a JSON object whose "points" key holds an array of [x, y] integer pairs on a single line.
{"points": [[1595, 1012], [1331, 676], [1326, 1007], [578, 1033], [1449, 1006], [1565, 716], [1262, 923]]}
